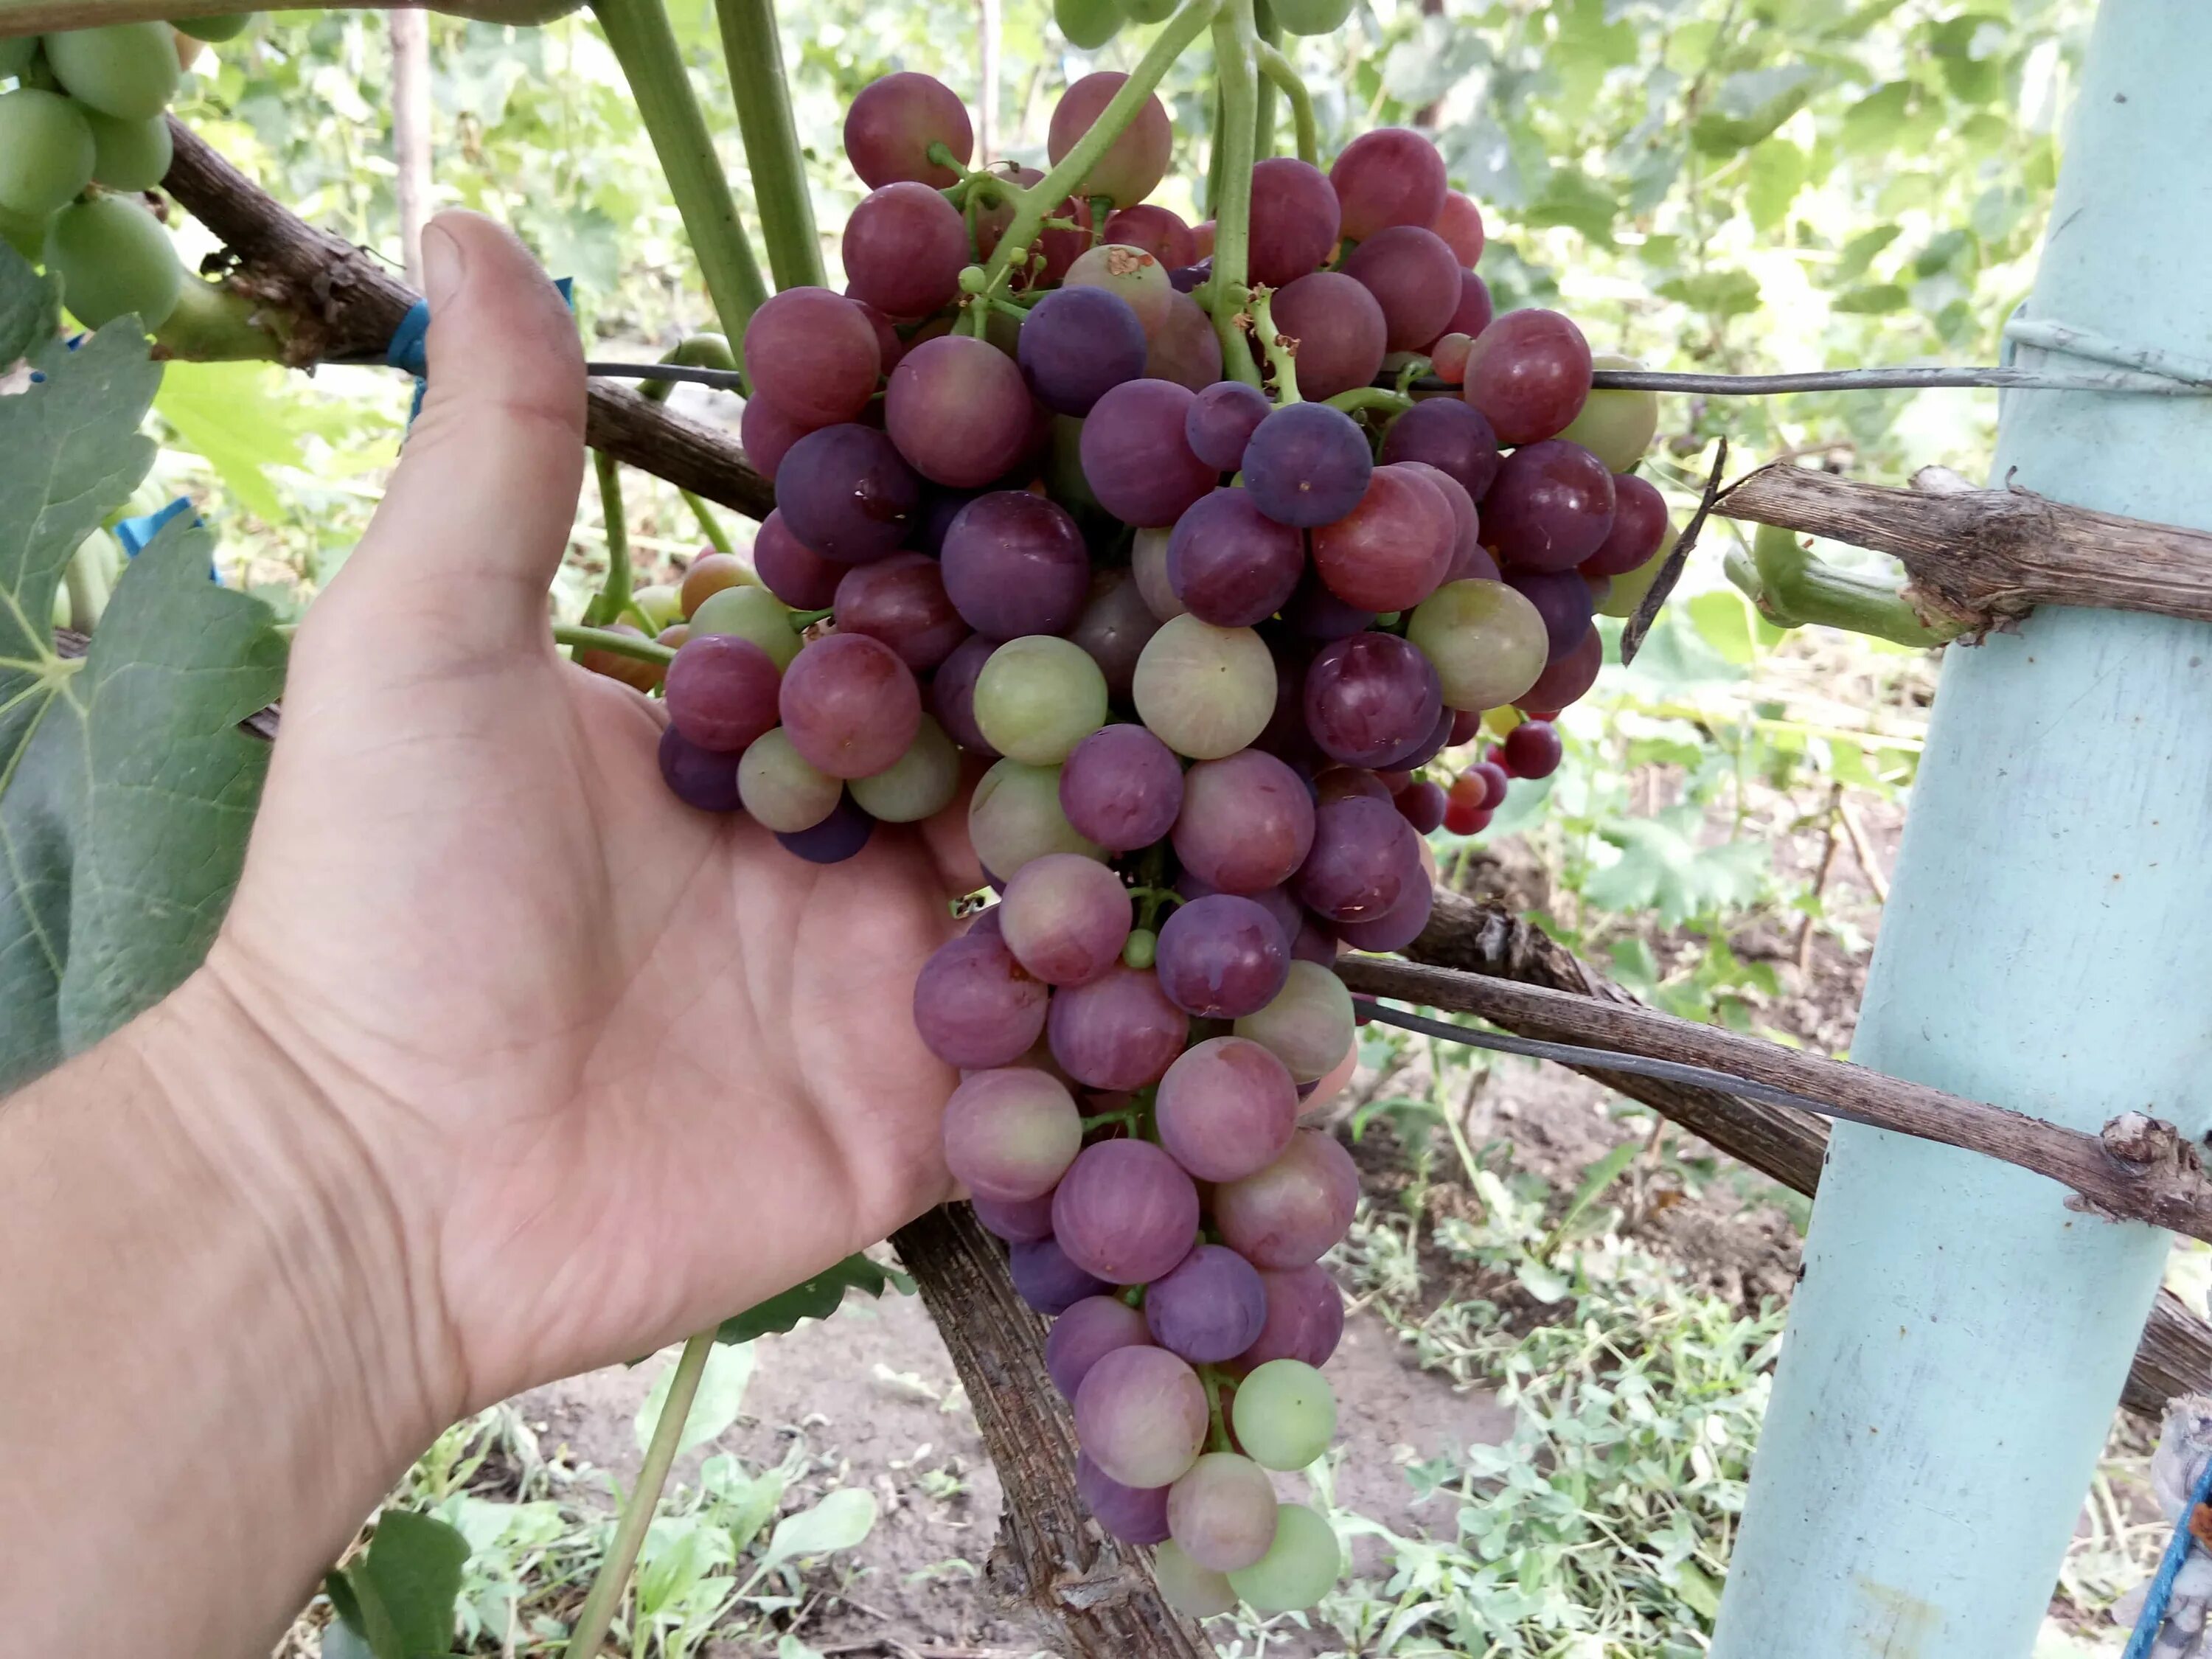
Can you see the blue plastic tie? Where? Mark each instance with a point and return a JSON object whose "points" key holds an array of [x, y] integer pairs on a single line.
{"points": [[2152, 1619], [137, 534], [409, 350]]}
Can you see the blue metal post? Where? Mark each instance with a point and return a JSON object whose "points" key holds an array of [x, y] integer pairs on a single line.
{"points": [[1959, 1339]]}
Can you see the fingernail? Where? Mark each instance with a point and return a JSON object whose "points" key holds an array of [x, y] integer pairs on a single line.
{"points": [[444, 266]]}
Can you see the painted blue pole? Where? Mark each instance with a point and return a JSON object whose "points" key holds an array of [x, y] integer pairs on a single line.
{"points": [[1958, 1343]]}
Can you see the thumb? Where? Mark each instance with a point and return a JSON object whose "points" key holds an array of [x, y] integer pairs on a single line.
{"points": [[473, 524]]}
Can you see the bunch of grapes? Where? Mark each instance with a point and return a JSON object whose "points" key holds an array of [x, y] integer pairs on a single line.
{"points": [[83, 133], [1208, 629]]}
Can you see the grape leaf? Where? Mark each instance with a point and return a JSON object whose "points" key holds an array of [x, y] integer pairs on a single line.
{"points": [[30, 308], [124, 787], [397, 1599], [815, 1298]]}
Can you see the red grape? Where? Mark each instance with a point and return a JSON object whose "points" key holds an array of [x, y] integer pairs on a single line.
{"points": [[1066, 918], [704, 778], [1529, 373], [1047, 1279], [904, 248], [1184, 349], [1223, 956], [1135, 1515], [1369, 695], [1391, 176], [1134, 162], [1340, 332], [1121, 787], [766, 434], [813, 354], [959, 411], [790, 569], [1459, 222], [1639, 520], [902, 601], [850, 706], [1085, 1335], [1414, 279], [1533, 750], [1565, 681], [1550, 509], [1292, 1211], [1305, 1318], [1294, 219], [1225, 1110], [1222, 419], [891, 124], [1157, 230], [1394, 549], [1562, 598], [1010, 1133]]}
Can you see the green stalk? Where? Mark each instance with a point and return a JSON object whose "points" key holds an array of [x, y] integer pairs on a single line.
{"points": [[1279, 357], [653, 64], [1038, 200], [613, 598], [1270, 36], [1279, 71], [755, 58], [693, 351], [613, 1579], [1791, 588], [1370, 396], [709, 525], [86, 580], [211, 325], [607, 640], [1233, 43]]}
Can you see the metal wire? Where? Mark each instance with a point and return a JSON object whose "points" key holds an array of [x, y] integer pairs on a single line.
{"points": [[1610, 1060], [1870, 379]]}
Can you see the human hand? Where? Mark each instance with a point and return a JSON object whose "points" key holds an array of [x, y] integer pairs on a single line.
{"points": [[613, 1068]]}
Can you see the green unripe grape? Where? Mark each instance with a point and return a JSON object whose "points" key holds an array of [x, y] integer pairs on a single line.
{"points": [[1300, 1567], [1616, 427], [114, 260], [1038, 696], [1088, 24], [25, 232], [16, 53], [751, 613], [1285, 1415], [921, 781], [1486, 641], [662, 604], [1149, 11], [45, 152], [1311, 16], [227, 25], [1015, 816], [781, 789], [1308, 1026], [128, 70], [1195, 1591], [1142, 949], [128, 156], [1627, 590], [1063, 467]]}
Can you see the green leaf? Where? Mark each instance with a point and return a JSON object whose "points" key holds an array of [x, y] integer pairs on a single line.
{"points": [[1573, 198], [1724, 618], [1874, 123], [30, 308], [839, 1522], [721, 1396], [814, 1299], [1857, 255], [1877, 300], [1662, 867], [1719, 293], [398, 1597], [1750, 106], [235, 414], [1775, 173]]}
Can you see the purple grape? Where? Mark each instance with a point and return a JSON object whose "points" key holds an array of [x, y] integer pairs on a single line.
{"points": [[1230, 564], [791, 570], [1078, 345], [1086, 1333], [1135, 1515], [940, 506], [1315, 942], [1121, 787], [1536, 754], [1314, 613], [1113, 628], [1339, 329], [1401, 926], [1223, 956], [1562, 598], [1222, 419], [902, 601], [959, 411], [846, 492], [1045, 1279], [1141, 1415], [1247, 822], [1423, 749], [1307, 464], [1119, 1031], [1065, 918], [1211, 1307], [1421, 804], [1294, 220], [836, 838], [1022, 1223], [1014, 564], [1225, 1109], [1010, 1133], [1278, 901], [1370, 697], [1550, 509], [1186, 279], [1564, 681], [1366, 860], [1414, 277], [952, 693], [1449, 436], [1305, 1318], [1125, 1211], [704, 778], [1342, 783], [1135, 455], [975, 1006], [1288, 1213]]}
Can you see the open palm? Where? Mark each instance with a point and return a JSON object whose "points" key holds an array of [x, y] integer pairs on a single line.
{"points": [[619, 1067]]}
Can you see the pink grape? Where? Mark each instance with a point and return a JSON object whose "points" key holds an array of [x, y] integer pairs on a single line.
{"points": [[1225, 1110], [904, 248], [1125, 1211], [1387, 177], [1141, 1416], [813, 354], [1530, 374], [1288, 1213], [952, 693], [1246, 822], [1421, 804], [1011, 1132], [849, 705], [959, 411], [893, 120], [1340, 332], [975, 1006], [1119, 1032], [1086, 1333], [1294, 220], [1459, 222], [1134, 162], [1474, 312], [1065, 917], [1469, 557]]}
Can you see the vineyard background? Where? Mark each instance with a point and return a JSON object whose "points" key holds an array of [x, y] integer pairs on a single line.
{"points": [[1567, 1310]]}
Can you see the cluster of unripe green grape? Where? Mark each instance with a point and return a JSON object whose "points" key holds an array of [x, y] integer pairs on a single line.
{"points": [[84, 132], [1208, 629]]}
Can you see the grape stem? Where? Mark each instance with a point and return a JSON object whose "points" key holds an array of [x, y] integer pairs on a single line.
{"points": [[709, 525], [754, 56], [1370, 396], [613, 1579], [1233, 42], [1412, 372], [1278, 71], [1216, 1438], [613, 597], [802, 619], [605, 638], [1268, 34], [1281, 350], [1791, 587], [644, 44], [1033, 203]]}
